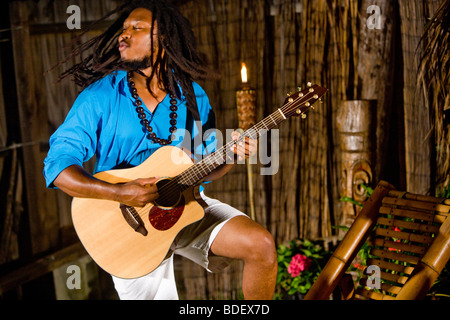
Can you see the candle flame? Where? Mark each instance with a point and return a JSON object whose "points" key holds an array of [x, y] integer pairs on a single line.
{"points": [[244, 73]]}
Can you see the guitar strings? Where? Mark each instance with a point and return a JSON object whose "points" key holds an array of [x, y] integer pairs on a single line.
{"points": [[190, 175]]}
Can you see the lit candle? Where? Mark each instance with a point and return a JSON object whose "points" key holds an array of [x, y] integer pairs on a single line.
{"points": [[244, 76], [246, 102]]}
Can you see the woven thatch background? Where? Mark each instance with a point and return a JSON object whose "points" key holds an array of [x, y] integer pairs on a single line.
{"points": [[285, 43]]}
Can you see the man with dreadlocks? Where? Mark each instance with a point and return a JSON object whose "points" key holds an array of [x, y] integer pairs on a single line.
{"points": [[139, 94]]}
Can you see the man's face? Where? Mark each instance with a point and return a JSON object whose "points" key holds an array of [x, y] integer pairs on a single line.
{"points": [[135, 40]]}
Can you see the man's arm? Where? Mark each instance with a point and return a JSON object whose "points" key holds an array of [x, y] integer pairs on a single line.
{"points": [[77, 182]]}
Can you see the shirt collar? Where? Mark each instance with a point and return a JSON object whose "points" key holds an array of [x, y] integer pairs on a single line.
{"points": [[120, 81]]}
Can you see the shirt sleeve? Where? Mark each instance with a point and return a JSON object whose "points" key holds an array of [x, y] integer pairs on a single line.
{"points": [[75, 141]]}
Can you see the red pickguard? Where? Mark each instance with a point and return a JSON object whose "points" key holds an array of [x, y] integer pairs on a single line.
{"points": [[163, 219]]}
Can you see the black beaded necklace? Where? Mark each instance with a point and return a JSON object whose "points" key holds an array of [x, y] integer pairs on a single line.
{"points": [[145, 123]]}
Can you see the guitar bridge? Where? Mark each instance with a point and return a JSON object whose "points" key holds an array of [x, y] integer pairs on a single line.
{"points": [[133, 219]]}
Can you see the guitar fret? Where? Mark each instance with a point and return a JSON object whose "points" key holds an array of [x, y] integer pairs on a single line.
{"points": [[282, 114], [272, 119]]}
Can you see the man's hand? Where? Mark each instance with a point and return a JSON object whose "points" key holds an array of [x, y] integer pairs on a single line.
{"points": [[244, 149], [137, 193]]}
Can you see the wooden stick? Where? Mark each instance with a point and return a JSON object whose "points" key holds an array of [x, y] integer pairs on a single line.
{"points": [[422, 227], [392, 288], [419, 197], [251, 190], [373, 295], [404, 236], [9, 216], [417, 204], [390, 266], [400, 246], [394, 256]]}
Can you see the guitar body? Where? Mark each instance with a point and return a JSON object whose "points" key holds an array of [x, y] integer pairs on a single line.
{"points": [[111, 240]]}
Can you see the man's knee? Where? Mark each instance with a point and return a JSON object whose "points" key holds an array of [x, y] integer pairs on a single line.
{"points": [[263, 248]]}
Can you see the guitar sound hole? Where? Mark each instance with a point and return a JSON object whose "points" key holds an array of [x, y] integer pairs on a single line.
{"points": [[169, 193]]}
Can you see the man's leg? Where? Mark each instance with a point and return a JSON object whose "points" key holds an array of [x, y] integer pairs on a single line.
{"points": [[242, 238], [157, 285]]}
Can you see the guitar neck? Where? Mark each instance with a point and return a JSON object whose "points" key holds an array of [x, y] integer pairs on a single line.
{"points": [[205, 167], [295, 105]]}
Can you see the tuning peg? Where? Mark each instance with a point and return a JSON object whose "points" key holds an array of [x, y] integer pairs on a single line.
{"points": [[304, 116], [320, 100], [309, 85], [299, 89]]}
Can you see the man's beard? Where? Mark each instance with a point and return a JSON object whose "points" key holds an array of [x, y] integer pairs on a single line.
{"points": [[132, 65]]}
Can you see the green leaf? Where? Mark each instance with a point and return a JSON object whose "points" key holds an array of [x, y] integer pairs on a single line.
{"points": [[348, 199], [292, 291]]}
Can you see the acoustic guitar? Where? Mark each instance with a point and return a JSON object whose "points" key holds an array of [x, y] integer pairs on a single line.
{"points": [[130, 242]]}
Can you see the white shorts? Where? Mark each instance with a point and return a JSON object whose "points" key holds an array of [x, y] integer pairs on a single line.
{"points": [[193, 243]]}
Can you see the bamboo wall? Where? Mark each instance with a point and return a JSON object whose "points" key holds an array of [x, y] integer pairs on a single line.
{"points": [[285, 44]]}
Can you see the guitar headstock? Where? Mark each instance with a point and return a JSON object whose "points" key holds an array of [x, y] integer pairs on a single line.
{"points": [[300, 102]]}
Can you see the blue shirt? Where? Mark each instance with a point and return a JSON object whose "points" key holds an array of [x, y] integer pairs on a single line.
{"points": [[103, 122]]}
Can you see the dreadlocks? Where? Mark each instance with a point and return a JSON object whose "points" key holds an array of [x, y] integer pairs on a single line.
{"points": [[180, 64]]}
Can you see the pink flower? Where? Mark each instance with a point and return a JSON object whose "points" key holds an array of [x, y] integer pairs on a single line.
{"points": [[299, 263]]}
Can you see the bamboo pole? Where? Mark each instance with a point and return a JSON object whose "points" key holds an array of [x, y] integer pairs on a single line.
{"points": [[429, 267]]}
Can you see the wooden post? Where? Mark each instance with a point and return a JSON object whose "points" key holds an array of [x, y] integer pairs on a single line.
{"points": [[376, 71], [42, 212], [355, 125]]}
